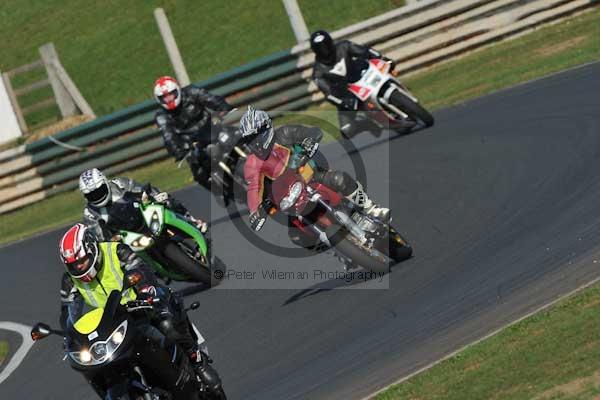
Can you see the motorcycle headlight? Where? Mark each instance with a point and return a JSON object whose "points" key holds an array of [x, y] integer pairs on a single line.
{"points": [[145, 241], [99, 352], [81, 357], [292, 196], [155, 224], [141, 243]]}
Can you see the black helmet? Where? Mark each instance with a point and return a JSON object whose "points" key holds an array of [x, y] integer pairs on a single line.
{"points": [[322, 45], [257, 129]]}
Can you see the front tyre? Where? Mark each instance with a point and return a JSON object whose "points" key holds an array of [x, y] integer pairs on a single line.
{"points": [[414, 110], [184, 265]]}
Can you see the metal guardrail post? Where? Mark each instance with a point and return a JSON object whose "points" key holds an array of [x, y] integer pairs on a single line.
{"points": [[171, 45], [63, 98], [296, 20], [14, 102]]}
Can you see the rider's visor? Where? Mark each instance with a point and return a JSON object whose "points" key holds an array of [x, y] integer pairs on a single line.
{"points": [[97, 195], [265, 134], [168, 98], [81, 269]]}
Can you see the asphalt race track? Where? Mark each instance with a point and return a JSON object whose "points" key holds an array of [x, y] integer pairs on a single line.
{"points": [[501, 201]]}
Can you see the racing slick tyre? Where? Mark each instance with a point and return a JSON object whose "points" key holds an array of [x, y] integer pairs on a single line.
{"points": [[348, 245], [414, 110], [186, 265]]}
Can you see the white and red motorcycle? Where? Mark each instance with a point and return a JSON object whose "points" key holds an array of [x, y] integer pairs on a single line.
{"points": [[381, 92]]}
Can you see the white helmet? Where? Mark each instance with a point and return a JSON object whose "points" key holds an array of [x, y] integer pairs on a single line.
{"points": [[95, 188], [167, 92]]}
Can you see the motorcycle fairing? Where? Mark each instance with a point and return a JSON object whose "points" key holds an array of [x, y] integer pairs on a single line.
{"points": [[153, 211], [172, 219]]}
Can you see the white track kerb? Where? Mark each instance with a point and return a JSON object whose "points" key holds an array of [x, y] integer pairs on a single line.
{"points": [[20, 354]]}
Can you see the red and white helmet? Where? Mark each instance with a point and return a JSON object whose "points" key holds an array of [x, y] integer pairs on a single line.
{"points": [[167, 92], [79, 252]]}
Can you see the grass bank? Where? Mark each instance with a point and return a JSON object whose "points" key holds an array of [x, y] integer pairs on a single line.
{"points": [[3, 351], [552, 355], [549, 49], [114, 52]]}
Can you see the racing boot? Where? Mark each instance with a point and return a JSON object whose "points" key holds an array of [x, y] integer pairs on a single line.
{"points": [[362, 200]]}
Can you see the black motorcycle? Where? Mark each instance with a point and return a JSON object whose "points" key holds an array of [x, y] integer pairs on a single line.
{"points": [[228, 158], [223, 154], [119, 350]]}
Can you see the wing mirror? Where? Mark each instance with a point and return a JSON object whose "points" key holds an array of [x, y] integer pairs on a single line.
{"points": [[131, 278], [194, 306], [41, 330]]}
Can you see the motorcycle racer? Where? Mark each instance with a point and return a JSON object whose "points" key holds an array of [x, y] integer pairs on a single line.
{"points": [[271, 149], [184, 120], [332, 60], [100, 193], [94, 269]]}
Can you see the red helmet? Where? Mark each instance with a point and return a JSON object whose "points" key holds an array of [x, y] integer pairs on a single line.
{"points": [[79, 252], [167, 92]]}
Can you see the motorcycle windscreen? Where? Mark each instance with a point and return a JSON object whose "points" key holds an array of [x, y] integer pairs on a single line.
{"points": [[126, 215], [356, 70]]}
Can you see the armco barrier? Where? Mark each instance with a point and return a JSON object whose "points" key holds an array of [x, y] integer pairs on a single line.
{"points": [[416, 36]]}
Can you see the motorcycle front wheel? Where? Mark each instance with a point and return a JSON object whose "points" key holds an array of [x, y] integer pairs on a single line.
{"points": [[348, 245], [185, 265], [414, 110]]}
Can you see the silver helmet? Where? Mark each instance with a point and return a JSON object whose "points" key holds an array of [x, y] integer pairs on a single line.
{"points": [[95, 188], [257, 128]]}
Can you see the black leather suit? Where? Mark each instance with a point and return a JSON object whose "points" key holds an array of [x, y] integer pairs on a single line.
{"points": [[191, 123], [331, 76]]}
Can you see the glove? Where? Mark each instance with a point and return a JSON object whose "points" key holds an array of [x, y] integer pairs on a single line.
{"points": [[257, 219], [161, 197], [392, 65], [310, 146], [200, 224]]}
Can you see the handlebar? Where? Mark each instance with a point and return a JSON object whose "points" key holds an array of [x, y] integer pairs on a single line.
{"points": [[135, 305]]}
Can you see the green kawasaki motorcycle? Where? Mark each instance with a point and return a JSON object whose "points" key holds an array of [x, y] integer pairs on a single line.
{"points": [[173, 246]]}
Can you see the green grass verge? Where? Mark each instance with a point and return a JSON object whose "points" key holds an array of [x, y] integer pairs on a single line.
{"points": [[3, 351], [67, 207], [544, 51], [552, 355], [113, 50], [549, 49]]}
